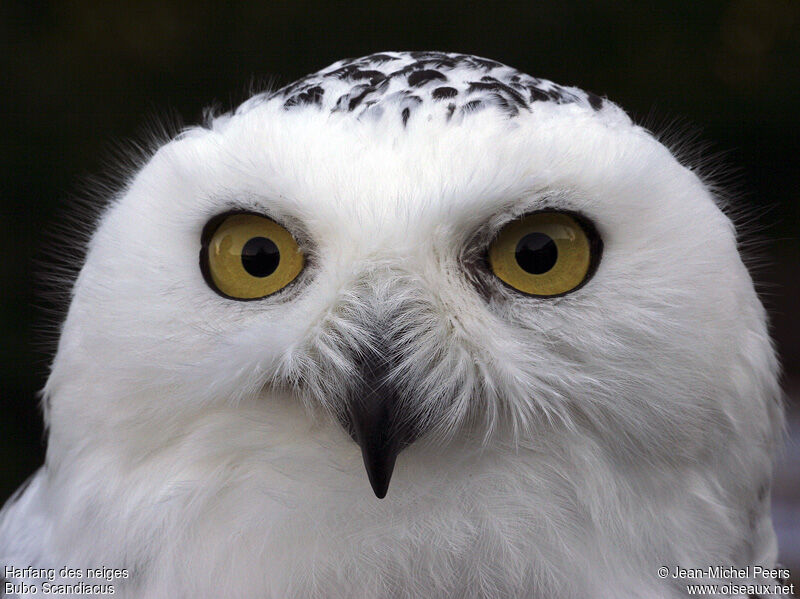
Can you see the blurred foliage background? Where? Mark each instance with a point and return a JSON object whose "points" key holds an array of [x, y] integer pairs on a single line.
{"points": [[77, 76]]}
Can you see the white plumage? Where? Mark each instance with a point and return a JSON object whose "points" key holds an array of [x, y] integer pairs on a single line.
{"points": [[563, 446]]}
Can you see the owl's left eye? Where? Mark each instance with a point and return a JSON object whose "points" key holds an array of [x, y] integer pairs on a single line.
{"points": [[546, 254], [248, 256]]}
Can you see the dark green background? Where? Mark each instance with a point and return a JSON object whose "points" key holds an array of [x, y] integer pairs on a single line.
{"points": [[79, 76]]}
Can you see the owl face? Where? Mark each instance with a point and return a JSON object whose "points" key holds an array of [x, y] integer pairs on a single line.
{"points": [[418, 250]]}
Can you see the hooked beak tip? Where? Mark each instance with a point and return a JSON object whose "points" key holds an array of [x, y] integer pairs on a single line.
{"points": [[379, 466]]}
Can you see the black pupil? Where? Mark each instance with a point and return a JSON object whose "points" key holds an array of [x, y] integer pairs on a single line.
{"points": [[260, 256], [536, 253]]}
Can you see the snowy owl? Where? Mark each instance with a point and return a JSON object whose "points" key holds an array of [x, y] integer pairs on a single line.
{"points": [[416, 325]]}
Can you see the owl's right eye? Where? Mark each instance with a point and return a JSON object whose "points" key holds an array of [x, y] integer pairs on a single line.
{"points": [[247, 256], [545, 254]]}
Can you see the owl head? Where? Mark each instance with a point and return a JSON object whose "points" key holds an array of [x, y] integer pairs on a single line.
{"points": [[420, 250]]}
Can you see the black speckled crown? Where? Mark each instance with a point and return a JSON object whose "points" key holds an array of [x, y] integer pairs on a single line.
{"points": [[404, 82]]}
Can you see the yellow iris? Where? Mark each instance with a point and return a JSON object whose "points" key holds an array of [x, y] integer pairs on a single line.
{"points": [[543, 254], [249, 257]]}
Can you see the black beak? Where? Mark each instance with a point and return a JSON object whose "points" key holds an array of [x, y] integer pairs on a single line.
{"points": [[375, 423]]}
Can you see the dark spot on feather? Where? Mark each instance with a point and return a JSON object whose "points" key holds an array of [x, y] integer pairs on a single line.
{"points": [[356, 93], [450, 110], [560, 95], [356, 100], [485, 63], [355, 73], [537, 95], [424, 54], [312, 95], [418, 78], [405, 114], [442, 93], [472, 106], [374, 77], [442, 62], [379, 58], [595, 101], [510, 109], [500, 89]]}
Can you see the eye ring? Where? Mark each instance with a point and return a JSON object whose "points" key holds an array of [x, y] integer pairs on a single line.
{"points": [[545, 254], [246, 256]]}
